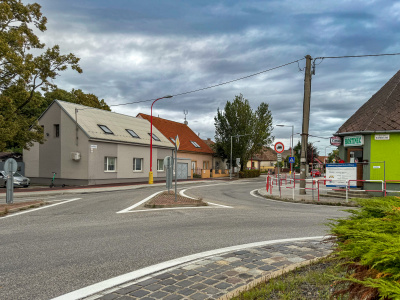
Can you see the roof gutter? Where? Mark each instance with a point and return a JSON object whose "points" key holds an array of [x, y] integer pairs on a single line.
{"points": [[367, 132]]}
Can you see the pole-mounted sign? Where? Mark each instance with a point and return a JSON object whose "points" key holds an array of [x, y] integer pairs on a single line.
{"points": [[10, 167], [279, 147]]}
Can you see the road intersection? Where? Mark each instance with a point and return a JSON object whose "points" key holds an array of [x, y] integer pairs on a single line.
{"points": [[62, 248]]}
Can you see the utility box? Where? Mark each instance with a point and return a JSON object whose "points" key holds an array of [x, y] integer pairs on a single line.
{"points": [[75, 156]]}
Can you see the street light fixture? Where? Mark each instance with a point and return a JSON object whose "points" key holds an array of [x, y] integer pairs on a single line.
{"points": [[151, 139], [231, 167], [291, 169]]}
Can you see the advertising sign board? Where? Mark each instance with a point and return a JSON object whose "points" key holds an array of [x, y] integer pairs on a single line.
{"points": [[340, 174], [354, 140], [336, 141]]}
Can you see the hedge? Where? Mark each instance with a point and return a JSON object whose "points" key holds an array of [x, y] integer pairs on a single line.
{"points": [[249, 173], [369, 241]]}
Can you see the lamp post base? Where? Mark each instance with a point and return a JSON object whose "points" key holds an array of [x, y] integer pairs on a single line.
{"points": [[151, 178]]}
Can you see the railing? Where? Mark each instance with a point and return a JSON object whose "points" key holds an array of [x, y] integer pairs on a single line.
{"points": [[318, 185]]}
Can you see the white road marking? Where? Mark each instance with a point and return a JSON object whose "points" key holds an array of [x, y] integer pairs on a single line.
{"points": [[118, 280], [39, 208], [138, 204], [167, 208], [254, 195], [220, 205]]}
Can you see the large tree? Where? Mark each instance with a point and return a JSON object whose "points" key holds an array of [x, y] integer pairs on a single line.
{"points": [[251, 130], [25, 69]]}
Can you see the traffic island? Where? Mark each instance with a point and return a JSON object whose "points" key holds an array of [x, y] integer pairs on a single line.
{"points": [[167, 199], [15, 207]]}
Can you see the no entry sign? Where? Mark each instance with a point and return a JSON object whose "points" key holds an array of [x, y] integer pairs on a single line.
{"points": [[279, 147]]}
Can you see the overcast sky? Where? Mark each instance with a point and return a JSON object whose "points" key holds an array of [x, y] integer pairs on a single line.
{"points": [[135, 50]]}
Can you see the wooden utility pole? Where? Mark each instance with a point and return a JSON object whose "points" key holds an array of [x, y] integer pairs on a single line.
{"points": [[306, 122]]}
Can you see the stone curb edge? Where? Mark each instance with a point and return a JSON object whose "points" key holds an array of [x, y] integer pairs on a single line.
{"points": [[267, 277]]}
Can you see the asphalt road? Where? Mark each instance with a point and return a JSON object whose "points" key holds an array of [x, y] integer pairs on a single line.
{"points": [[49, 252]]}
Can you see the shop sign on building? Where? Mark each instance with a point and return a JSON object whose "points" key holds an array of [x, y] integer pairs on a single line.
{"points": [[382, 137], [339, 174], [336, 141], [354, 140]]}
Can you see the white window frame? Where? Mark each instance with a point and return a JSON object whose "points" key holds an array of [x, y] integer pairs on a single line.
{"points": [[134, 164], [158, 165], [195, 144], [107, 164]]}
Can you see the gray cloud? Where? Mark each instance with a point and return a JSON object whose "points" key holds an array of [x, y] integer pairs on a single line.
{"points": [[139, 50]]}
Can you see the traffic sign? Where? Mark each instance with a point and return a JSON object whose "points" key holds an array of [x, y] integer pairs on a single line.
{"points": [[292, 159], [279, 147], [10, 166], [177, 143]]}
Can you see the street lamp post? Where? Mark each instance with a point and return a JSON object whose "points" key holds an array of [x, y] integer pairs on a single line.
{"points": [[231, 167], [151, 139], [291, 146]]}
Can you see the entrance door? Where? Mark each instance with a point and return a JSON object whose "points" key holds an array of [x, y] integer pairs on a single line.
{"points": [[355, 155]]}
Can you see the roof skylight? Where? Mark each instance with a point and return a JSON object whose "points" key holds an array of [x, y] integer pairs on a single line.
{"points": [[106, 129], [195, 144], [132, 133]]}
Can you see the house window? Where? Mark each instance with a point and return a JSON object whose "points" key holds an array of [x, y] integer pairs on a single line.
{"points": [[56, 130], [110, 164], [195, 144], [160, 165], [132, 133], [172, 139], [155, 137], [137, 164], [106, 129], [205, 165]]}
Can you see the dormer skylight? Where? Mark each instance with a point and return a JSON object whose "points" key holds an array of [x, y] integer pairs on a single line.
{"points": [[195, 144], [155, 137], [105, 129], [132, 133]]}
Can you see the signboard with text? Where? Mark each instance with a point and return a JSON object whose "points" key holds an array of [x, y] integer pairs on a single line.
{"points": [[354, 140], [340, 174]]}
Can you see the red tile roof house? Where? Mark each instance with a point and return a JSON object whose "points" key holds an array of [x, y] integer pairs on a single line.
{"points": [[192, 147], [371, 137], [264, 161]]}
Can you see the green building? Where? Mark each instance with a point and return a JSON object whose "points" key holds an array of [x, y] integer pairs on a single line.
{"points": [[371, 138]]}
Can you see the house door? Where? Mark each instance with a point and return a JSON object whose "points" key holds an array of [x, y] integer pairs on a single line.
{"points": [[355, 155]]}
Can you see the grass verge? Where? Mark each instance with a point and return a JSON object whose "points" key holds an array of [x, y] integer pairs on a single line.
{"points": [[314, 281]]}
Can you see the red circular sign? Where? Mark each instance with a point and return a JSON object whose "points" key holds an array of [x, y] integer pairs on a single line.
{"points": [[279, 147]]}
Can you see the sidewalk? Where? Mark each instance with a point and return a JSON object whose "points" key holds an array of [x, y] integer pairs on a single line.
{"points": [[218, 276], [287, 193]]}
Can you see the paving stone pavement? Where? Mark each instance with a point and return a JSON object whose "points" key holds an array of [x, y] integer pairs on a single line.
{"points": [[215, 276]]}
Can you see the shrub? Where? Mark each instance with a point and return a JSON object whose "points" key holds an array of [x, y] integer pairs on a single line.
{"points": [[370, 242], [249, 173]]}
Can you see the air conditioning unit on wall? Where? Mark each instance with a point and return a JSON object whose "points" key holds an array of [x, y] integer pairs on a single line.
{"points": [[75, 156]]}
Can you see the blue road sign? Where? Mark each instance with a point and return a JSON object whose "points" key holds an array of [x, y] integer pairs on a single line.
{"points": [[291, 159]]}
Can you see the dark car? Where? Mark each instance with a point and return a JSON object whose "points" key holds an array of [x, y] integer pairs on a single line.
{"points": [[19, 180], [315, 173]]}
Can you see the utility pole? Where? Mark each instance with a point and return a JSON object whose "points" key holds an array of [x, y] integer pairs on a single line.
{"points": [[306, 122]]}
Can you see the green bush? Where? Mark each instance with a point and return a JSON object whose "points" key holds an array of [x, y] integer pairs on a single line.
{"points": [[195, 175], [370, 242], [249, 173]]}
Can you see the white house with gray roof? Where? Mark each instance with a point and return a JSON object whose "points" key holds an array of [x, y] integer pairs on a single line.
{"points": [[87, 146]]}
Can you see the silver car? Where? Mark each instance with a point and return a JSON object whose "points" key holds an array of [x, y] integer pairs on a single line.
{"points": [[19, 180]]}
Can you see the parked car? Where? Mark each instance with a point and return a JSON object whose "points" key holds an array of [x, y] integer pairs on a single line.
{"points": [[315, 173], [19, 180]]}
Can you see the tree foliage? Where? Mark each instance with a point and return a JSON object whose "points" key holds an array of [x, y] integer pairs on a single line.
{"points": [[251, 130], [311, 151], [25, 68]]}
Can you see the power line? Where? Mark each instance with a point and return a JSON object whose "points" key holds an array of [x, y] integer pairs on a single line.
{"points": [[365, 55], [216, 85]]}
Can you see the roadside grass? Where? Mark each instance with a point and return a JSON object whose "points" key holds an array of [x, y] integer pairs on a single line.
{"points": [[315, 281], [5, 209]]}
